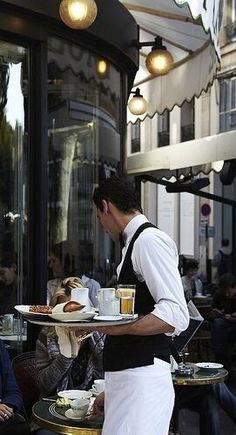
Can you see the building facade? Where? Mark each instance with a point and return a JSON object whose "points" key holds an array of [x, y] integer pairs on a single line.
{"points": [[194, 141]]}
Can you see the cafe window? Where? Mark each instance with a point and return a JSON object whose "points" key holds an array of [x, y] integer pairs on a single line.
{"points": [[187, 121], [84, 147], [163, 125], [228, 104], [135, 137], [13, 178]]}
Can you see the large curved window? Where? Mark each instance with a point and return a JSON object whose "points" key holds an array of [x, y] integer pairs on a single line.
{"points": [[84, 146], [13, 182]]}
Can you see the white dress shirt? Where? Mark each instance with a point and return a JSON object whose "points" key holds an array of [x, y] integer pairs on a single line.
{"points": [[155, 261]]}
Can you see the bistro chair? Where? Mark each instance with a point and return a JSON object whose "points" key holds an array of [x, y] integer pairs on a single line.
{"points": [[25, 370]]}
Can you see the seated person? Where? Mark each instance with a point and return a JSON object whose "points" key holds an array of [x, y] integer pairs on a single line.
{"points": [[8, 283], [11, 421], [223, 316], [191, 283], [63, 360]]}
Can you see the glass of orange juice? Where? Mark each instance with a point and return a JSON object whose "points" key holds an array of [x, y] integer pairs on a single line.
{"points": [[126, 293]]}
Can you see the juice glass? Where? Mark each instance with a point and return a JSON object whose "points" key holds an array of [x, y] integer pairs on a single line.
{"points": [[126, 293]]}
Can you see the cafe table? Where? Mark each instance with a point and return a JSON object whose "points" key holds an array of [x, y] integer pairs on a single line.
{"points": [[46, 415], [199, 377]]}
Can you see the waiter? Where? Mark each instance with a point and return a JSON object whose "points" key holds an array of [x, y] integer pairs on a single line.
{"points": [[139, 395]]}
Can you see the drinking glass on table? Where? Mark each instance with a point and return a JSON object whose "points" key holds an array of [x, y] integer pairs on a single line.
{"points": [[126, 293]]}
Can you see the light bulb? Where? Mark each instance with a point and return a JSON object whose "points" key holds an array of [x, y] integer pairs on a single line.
{"points": [[78, 14], [159, 62], [102, 68], [137, 105]]}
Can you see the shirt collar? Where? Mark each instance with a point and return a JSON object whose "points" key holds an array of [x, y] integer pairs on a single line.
{"points": [[132, 227]]}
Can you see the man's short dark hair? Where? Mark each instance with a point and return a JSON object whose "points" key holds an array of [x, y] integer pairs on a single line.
{"points": [[120, 191]]}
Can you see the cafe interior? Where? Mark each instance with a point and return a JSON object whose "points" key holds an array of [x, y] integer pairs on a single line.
{"points": [[71, 87]]}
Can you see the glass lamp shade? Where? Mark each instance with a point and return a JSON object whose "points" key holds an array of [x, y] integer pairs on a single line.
{"points": [[78, 14], [159, 62], [102, 68], [137, 105]]}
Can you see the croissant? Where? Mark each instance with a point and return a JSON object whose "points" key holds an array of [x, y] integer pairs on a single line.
{"points": [[72, 306]]}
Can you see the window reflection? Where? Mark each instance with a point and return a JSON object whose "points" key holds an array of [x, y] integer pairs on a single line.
{"points": [[84, 146], [13, 175]]}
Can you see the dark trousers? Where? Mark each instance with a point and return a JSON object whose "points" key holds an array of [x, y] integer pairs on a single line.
{"points": [[200, 399]]}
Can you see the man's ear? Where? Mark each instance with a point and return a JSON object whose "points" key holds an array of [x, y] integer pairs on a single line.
{"points": [[105, 206]]}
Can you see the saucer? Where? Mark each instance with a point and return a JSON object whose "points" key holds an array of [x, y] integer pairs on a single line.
{"points": [[69, 414], [209, 365]]}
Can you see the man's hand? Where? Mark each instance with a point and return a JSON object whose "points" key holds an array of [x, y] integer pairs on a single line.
{"points": [[98, 405]]}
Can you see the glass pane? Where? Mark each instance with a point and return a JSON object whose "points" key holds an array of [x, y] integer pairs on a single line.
{"points": [[13, 175], [163, 129], [84, 145], [187, 121], [135, 137]]}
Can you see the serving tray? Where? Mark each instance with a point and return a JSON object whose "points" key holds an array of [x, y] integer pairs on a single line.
{"points": [[80, 324]]}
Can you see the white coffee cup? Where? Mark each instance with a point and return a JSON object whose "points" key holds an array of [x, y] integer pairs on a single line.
{"points": [[79, 407], [98, 385], [109, 304]]}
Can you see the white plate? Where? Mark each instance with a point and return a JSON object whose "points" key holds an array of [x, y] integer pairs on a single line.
{"points": [[209, 365], [24, 309], [107, 318], [75, 394], [74, 316], [69, 414]]}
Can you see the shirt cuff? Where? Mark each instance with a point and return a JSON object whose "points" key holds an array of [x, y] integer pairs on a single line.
{"points": [[171, 314]]}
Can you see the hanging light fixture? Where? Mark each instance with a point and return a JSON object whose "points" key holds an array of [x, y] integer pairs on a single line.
{"points": [[137, 105], [78, 14], [102, 68], [159, 61]]}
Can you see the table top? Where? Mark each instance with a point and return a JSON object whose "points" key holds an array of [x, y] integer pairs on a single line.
{"points": [[46, 415], [200, 376]]}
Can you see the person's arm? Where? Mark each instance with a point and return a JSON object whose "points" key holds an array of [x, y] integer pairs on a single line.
{"points": [[11, 393], [52, 366], [155, 260], [147, 325]]}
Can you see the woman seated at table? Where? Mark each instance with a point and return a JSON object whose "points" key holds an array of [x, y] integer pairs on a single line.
{"points": [[11, 421], [64, 361], [191, 283]]}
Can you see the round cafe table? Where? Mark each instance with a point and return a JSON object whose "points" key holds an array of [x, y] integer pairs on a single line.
{"points": [[44, 415], [201, 377]]}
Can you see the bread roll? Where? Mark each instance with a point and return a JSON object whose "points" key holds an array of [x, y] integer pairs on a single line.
{"points": [[72, 306]]}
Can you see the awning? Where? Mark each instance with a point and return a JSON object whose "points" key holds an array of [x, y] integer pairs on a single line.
{"points": [[197, 154], [190, 32]]}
